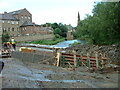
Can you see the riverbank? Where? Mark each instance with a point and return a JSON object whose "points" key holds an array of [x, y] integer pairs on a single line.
{"points": [[46, 42]]}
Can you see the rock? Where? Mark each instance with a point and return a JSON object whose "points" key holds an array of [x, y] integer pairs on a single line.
{"points": [[99, 77]]}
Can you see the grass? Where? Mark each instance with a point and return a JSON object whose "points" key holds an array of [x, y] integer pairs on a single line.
{"points": [[47, 42], [75, 43]]}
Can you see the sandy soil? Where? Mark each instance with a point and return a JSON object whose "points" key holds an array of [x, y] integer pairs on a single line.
{"points": [[17, 74]]}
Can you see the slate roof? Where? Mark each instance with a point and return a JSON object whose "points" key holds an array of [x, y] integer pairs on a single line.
{"points": [[9, 16], [18, 11], [28, 23]]}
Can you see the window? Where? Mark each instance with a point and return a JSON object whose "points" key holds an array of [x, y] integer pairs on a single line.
{"points": [[4, 30], [12, 22], [2, 21], [12, 29], [25, 16], [8, 22], [16, 22], [25, 28], [21, 16], [8, 29], [28, 17]]}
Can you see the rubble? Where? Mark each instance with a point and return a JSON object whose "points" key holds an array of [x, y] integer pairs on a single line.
{"points": [[109, 51]]}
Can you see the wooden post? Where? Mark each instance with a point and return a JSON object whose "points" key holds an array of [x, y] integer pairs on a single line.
{"points": [[81, 60], [63, 61], [88, 59], [58, 58], [96, 55], [75, 61], [55, 55]]}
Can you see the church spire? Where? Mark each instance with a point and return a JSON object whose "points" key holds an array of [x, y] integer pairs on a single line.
{"points": [[78, 18]]}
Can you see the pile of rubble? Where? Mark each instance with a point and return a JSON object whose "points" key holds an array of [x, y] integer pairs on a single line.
{"points": [[111, 52]]}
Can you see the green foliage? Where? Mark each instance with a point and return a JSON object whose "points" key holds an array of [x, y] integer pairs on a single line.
{"points": [[54, 25], [75, 43], [103, 26], [5, 37], [57, 36], [47, 42], [59, 29]]}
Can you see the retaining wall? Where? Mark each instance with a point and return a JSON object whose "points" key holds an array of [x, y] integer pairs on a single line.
{"points": [[31, 57], [34, 37]]}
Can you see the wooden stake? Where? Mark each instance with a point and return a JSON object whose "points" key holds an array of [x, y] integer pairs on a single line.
{"points": [[96, 55], [88, 58], [75, 61], [58, 58]]}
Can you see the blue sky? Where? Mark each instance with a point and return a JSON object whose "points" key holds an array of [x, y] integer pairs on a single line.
{"points": [[64, 11]]}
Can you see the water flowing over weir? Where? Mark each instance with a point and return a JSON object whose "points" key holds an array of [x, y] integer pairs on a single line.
{"points": [[63, 44]]}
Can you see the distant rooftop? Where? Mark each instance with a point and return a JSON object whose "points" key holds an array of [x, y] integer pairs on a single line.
{"points": [[9, 16], [28, 23]]}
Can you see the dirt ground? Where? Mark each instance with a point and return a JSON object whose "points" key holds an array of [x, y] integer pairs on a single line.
{"points": [[17, 74]]}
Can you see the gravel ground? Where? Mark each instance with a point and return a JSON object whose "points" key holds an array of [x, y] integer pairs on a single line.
{"points": [[17, 74]]}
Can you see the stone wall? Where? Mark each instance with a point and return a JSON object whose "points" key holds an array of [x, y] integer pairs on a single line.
{"points": [[34, 37]]}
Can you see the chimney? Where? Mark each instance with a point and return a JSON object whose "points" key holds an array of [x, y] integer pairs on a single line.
{"points": [[33, 22], [5, 12]]}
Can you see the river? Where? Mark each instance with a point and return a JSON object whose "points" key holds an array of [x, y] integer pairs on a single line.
{"points": [[63, 44]]}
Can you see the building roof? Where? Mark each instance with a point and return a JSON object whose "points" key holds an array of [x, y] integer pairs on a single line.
{"points": [[9, 16], [18, 11], [28, 23]]}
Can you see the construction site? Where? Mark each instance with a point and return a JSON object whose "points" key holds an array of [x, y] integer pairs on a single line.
{"points": [[77, 66]]}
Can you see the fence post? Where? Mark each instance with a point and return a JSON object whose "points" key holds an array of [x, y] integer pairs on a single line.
{"points": [[96, 56], [88, 60], [75, 60], [78, 62], [55, 55], [63, 61], [58, 58]]}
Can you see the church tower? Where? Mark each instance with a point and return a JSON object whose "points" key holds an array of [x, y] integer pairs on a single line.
{"points": [[78, 22]]}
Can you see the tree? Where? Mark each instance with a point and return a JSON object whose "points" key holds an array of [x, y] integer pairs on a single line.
{"points": [[57, 31], [63, 30], [103, 26], [54, 25]]}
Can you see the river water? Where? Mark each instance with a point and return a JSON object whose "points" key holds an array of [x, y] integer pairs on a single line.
{"points": [[63, 44]]}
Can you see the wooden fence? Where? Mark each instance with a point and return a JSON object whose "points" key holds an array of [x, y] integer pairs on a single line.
{"points": [[73, 60]]}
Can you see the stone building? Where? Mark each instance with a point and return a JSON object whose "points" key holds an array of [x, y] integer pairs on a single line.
{"points": [[18, 23], [70, 32]]}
